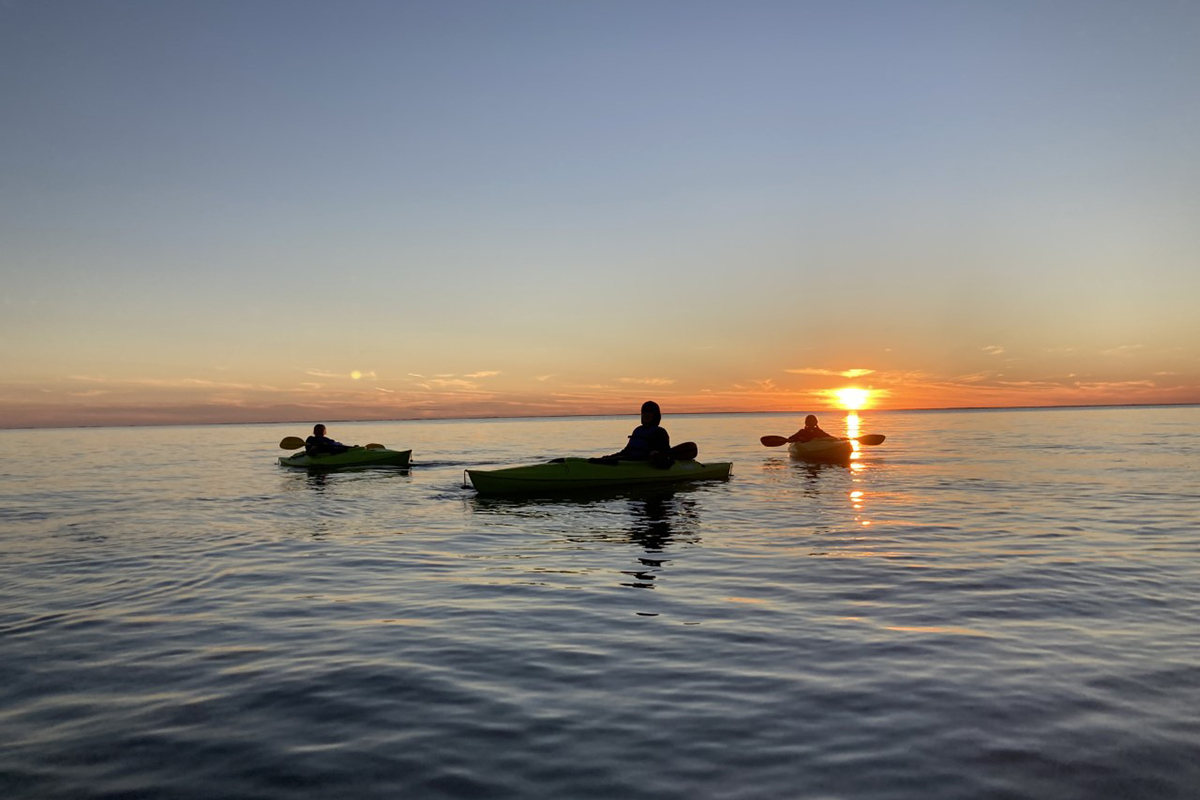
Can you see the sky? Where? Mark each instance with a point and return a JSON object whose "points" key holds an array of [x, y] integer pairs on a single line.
{"points": [[270, 210]]}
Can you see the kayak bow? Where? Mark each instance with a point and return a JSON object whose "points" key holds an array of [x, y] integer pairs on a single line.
{"points": [[822, 449]]}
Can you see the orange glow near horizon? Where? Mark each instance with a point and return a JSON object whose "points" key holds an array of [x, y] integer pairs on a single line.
{"points": [[852, 398]]}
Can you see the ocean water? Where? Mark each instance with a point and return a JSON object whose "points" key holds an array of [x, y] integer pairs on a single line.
{"points": [[1000, 604]]}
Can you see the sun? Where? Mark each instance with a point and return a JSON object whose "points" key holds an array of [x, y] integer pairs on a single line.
{"points": [[852, 398]]}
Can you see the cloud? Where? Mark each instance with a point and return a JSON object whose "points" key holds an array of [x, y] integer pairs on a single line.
{"points": [[975, 377], [450, 383], [993, 349], [542, 378], [1123, 350], [1111, 386], [385, 391], [844, 373], [353, 374], [173, 383], [766, 385], [906, 376], [647, 381], [485, 374]]}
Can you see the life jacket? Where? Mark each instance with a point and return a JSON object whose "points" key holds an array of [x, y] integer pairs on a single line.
{"points": [[808, 434], [644, 440], [323, 445]]}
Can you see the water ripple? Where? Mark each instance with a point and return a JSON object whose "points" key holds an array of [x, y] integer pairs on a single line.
{"points": [[988, 606]]}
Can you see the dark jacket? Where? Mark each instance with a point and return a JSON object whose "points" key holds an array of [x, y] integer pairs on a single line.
{"points": [[323, 445], [644, 440], [808, 434]]}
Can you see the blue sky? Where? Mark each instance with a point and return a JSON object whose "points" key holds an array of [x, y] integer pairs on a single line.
{"points": [[223, 210]]}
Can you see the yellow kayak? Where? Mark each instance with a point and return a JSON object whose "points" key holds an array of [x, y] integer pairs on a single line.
{"points": [[354, 457], [822, 449]]}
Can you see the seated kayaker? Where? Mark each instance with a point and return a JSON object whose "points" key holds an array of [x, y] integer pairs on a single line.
{"points": [[810, 431], [321, 445], [651, 442]]}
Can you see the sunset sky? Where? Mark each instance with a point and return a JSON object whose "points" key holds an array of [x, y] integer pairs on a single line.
{"points": [[257, 210]]}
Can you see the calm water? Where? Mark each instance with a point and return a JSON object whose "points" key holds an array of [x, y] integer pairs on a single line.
{"points": [[989, 605]]}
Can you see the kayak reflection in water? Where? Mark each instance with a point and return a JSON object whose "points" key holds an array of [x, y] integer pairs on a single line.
{"points": [[319, 444], [810, 431], [651, 442]]}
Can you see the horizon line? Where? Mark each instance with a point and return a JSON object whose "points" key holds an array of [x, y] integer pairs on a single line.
{"points": [[923, 409]]}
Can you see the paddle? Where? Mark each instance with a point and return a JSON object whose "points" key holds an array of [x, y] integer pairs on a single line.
{"points": [[870, 438], [295, 443]]}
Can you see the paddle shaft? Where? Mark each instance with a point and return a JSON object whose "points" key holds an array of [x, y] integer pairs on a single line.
{"points": [[868, 439], [295, 443]]}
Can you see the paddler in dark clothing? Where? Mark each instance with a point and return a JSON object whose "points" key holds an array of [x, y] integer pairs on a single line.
{"points": [[320, 445], [648, 440], [651, 442], [810, 431]]}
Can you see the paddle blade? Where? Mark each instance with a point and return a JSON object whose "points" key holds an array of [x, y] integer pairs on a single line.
{"points": [[773, 441], [291, 443], [872, 438], [374, 446]]}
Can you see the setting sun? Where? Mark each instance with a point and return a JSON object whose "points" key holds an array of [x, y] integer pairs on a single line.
{"points": [[852, 398]]}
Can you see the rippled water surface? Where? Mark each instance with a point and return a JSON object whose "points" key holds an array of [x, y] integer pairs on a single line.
{"points": [[988, 605]]}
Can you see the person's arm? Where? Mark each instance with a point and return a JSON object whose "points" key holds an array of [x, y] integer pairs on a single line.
{"points": [[323, 445], [620, 453], [660, 442]]}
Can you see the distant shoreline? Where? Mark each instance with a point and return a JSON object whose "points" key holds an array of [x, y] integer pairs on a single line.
{"points": [[792, 412]]}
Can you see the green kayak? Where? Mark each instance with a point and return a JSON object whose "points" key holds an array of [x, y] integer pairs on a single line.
{"points": [[354, 457], [573, 474]]}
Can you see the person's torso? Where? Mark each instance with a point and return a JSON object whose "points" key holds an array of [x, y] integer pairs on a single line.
{"points": [[646, 439], [315, 445]]}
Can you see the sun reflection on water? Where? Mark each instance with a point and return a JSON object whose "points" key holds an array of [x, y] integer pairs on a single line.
{"points": [[857, 496]]}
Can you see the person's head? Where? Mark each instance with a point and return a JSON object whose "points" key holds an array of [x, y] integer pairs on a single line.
{"points": [[318, 429], [810, 421], [651, 414]]}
